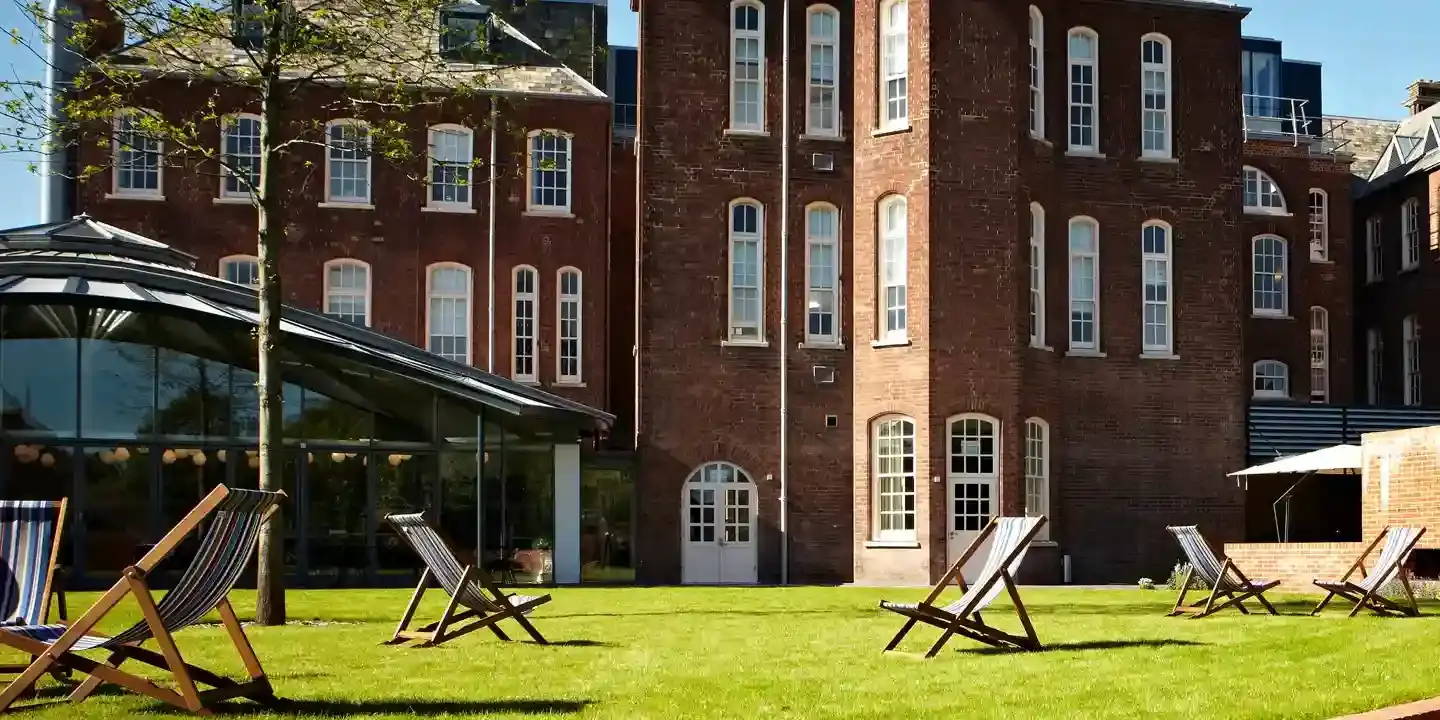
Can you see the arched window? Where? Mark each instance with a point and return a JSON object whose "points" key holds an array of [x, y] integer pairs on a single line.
{"points": [[1155, 114], [747, 272], [894, 64], [347, 291], [894, 476], [347, 163], [1037, 72], [1262, 194], [241, 269], [452, 152], [894, 260], [1037, 275], [447, 315], [1410, 333], [138, 152], [822, 274], [1374, 250], [568, 331], [240, 153], [1037, 472], [549, 176], [1272, 379], [1270, 267], [525, 290], [747, 66], [1084, 49], [1084, 285], [1157, 309], [1319, 355], [1319, 225], [822, 110], [1410, 234]]}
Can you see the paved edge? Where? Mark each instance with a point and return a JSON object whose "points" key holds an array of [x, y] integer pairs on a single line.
{"points": [[1422, 710]]}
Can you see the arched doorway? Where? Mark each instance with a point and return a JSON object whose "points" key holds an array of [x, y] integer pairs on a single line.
{"points": [[718, 546], [974, 480]]}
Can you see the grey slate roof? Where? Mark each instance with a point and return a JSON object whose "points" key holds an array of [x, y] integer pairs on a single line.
{"points": [[1364, 138], [1412, 147]]}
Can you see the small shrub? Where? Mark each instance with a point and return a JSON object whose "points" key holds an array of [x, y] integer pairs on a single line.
{"points": [[1147, 584], [1178, 575]]}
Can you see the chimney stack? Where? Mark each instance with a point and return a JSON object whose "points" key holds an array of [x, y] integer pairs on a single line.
{"points": [[1423, 94]]}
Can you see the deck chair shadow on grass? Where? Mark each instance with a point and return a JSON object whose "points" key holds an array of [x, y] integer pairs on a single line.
{"points": [[235, 518], [466, 586], [1011, 538], [1365, 593], [1226, 582], [30, 534]]}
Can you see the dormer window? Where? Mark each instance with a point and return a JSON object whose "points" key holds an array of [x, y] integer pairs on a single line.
{"points": [[463, 31]]}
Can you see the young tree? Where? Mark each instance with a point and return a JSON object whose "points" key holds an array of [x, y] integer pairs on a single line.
{"points": [[289, 65]]}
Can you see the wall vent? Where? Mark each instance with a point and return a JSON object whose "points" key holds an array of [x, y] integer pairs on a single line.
{"points": [[832, 421], [824, 162], [822, 374]]}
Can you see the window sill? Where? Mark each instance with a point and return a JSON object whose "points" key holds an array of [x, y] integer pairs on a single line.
{"points": [[560, 214], [126, 196], [821, 345], [1270, 316], [1093, 154], [1158, 356], [1038, 346], [1322, 261], [1260, 396], [738, 132], [455, 210], [1044, 543], [231, 201], [532, 382], [1166, 160], [1410, 268], [745, 343], [902, 342], [1267, 212], [892, 544], [569, 384], [1085, 353], [823, 138], [1041, 139], [346, 206], [890, 130]]}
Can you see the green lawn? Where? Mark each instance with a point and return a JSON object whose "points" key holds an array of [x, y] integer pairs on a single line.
{"points": [[671, 653]]}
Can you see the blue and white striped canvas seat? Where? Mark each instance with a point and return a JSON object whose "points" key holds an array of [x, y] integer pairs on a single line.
{"points": [[29, 536], [444, 566], [1010, 533], [1397, 541], [1203, 562], [224, 552]]}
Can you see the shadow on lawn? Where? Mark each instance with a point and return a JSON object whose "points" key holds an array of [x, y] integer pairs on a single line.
{"points": [[1087, 645], [408, 708]]}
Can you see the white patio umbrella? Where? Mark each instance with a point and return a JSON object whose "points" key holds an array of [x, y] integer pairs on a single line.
{"points": [[1337, 460]]}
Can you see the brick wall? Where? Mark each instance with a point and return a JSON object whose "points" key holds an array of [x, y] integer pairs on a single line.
{"points": [[1384, 305], [1402, 482], [1295, 565]]}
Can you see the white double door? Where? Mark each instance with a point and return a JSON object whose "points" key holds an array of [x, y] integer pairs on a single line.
{"points": [[974, 487], [719, 543]]}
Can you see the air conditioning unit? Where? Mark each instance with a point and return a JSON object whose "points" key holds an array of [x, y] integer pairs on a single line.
{"points": [[823, 375], [824, 162]]}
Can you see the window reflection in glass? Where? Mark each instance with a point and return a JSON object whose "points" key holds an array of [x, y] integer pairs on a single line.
{"points": [[405, 482], [459, 503], [38, 367], [337, 497], [187, 475], [518, 497], [193, 396], [117, 507], [606, 507]]}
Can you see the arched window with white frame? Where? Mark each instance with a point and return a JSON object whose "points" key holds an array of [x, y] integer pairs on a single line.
{"points": [[893, 471], [568, 330], [139, 153], [452, 153], [894, 64], [241, 269], [894, 259], [1158, 311], [550, 172], [1262, 193], [1037, 275], [1319, 225], [747, 66], [1037, 72], [822, 274], [1410, 234], [347, 291], [1319, 354], [1037, 472], [525, 291], [240, 155], [822, 109], [1272, 379], [747, 272], [1084, 285], [1156, 113], [1084, 90], [347, 163], [447, 314], [1269, 276]]}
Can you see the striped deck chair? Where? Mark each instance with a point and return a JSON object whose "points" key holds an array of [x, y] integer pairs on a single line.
{"points": [[30, 534], [467, 586], [234, 519], [1012, 536], [1225, 580], [1399, 541]]}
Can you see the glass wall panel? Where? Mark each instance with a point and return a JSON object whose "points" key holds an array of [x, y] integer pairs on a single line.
{"points": [[246, 474], [245, 404], [324, 418], [117, 507], [186, 476], [459, 502], [606, 505], [39, 471], [194, 396], [518, 500], [39, 364], [405, 483], [337, 498], [117, 370]]}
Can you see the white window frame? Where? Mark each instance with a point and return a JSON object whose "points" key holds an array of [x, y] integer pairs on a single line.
{"points": [[232, 260], [832, 241], [533, 169], [750, 332], [1319, 225], [1411, 332], [1037, 472], [894, 68], [1319, 354], [363, 294], [1166, 114], [368, 161], [1091, 346], [1284, 376], [533, 337], [1374, 250], [124, 116], [1410, 234], [813, 123], [1167, 306], [464, 164], [576, 301], [736, 36], [1073, 91], [227, 125], [893, 274], [1283, 281], [1266, 192], [1374, 365], [1037, 73], [1037, 276], [465, 300], [905, 429]]}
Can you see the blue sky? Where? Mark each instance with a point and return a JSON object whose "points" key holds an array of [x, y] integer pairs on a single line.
{"points": [[1369, 58]]}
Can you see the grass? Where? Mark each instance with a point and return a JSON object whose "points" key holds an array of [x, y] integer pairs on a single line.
{"points": [[812, 653]]}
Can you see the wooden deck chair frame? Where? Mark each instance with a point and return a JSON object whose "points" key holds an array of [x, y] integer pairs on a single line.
{"points": [[448, 626], [1228, 596], [1372, 598], [133, 582], [972, 625], [50, 589]]}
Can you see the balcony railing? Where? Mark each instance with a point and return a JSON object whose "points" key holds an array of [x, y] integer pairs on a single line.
{"points": [[1271, 118]]}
